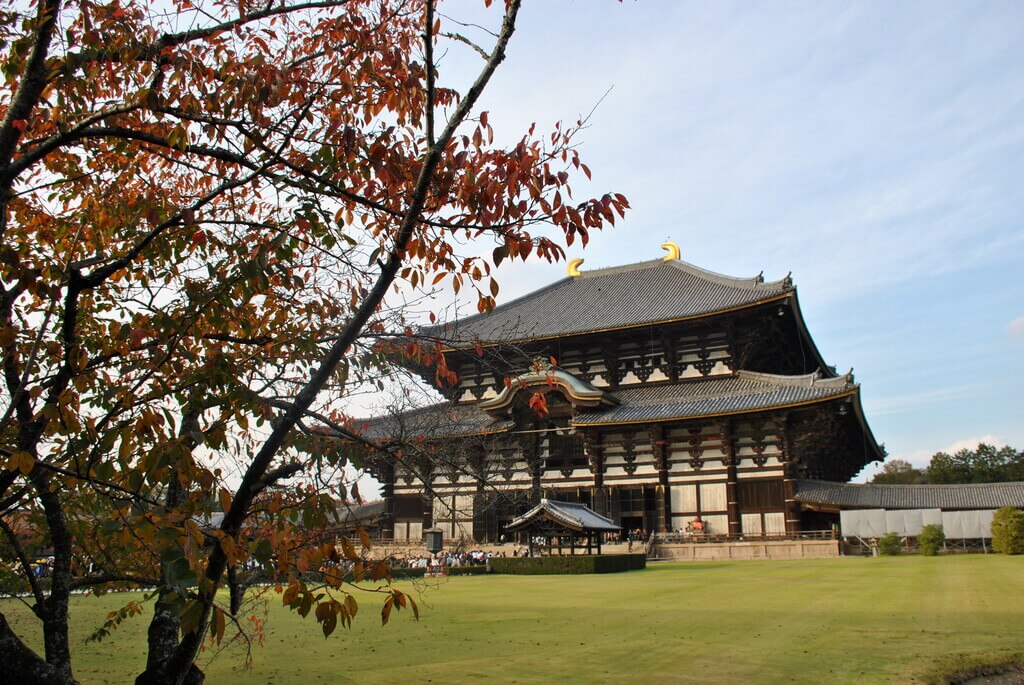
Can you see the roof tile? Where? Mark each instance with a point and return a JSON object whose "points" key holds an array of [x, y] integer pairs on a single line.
{"points": [[950, 497], [619, 297]]}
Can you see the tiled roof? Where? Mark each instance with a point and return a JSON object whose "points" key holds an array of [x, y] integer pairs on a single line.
{"points": [[950, 497], [349, 514], [745, 392], [548, 375], [619, 297], [442, 420], [569, 514]]}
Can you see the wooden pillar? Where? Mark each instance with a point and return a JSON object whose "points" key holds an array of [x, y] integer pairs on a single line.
{"points": [[387, 493], [663, 493], [529, 443], [427, 476], [614, 508], [668, 350], [792, 510], [610, 356], [731, 480], [478, 467], [593, 445]]}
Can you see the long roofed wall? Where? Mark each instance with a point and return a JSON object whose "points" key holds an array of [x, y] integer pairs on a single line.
{"points": [[677, 394]]}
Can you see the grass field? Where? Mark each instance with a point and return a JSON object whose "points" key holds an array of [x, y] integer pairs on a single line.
{"points": [[901, 619]]}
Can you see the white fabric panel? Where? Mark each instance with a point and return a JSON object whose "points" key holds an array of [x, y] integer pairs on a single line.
{"points": [[774, 523], [401, 531], [953, 524], [930, 516], [712, 497], [957, 525], [904, 522], [716, 525], [751, 524], [967, 524], [415, 530], [684, 498], [863, 523]]}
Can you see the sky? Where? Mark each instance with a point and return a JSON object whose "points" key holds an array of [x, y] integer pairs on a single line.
{"points": [[873, 149]]}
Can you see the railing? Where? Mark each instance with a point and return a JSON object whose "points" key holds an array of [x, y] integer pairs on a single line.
{"points": [[654, 539], [700, 538]]}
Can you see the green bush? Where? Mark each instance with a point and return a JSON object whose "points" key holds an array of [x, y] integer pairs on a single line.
{"points": [[402, 573], [1008, 531], [889, 544], [611, 563], [466, 570], [931, 539]]}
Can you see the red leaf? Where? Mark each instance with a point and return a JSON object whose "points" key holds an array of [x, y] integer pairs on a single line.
{"points": [[539, 404]]}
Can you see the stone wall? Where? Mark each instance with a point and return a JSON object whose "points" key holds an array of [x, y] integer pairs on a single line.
{"points": [[775, 549]]}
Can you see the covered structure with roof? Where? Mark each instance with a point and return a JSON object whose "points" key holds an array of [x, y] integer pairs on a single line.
{"points": [[834, 497], [559, 520], [654, 394]]}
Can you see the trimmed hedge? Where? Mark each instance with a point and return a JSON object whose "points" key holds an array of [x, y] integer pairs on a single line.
{"points": [[1008, 531], [403, 573], [931, 539], [531, 566], [466, 570], [889, 544]]}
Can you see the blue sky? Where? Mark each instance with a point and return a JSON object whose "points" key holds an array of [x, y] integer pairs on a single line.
{"points": [[876, 150]]}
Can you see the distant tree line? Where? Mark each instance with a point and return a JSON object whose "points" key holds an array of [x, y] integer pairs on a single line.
{"points": [[986, 464]]}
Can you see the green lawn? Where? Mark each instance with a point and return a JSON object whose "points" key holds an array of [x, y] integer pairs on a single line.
{"points": [[812, 621]]}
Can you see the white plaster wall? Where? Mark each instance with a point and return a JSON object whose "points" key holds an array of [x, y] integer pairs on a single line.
{"points": [[717, 524], [684, 498], [712, 497], [775, 522], [751, 524]]}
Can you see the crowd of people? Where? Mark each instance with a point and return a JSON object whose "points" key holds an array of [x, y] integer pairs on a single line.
{"points": [[448, 559]]}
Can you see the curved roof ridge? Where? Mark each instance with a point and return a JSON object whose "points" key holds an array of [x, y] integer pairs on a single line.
{"points": [[807, 380], [578, 391], [921, 486], [460, 321], [751, 282], [945, 496], [620, 269], [614, 298]]}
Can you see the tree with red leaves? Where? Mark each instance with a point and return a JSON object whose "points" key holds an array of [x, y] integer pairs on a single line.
{"points": [[203, 208]]}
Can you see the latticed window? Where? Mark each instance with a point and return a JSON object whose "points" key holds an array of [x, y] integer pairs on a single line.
{"points": [[409, 507], [631, 500], [761, 494], [577, 495], [565, 451]]}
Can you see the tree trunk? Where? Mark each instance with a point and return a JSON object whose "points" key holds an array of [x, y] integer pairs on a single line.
{"points": [[163, 641], [19, 664]]}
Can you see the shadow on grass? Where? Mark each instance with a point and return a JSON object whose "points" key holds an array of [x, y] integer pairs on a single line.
{"points": [[960, 669]]}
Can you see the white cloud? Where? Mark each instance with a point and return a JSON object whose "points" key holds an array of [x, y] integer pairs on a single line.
{"points": [[972, 443], [1016, 329]]}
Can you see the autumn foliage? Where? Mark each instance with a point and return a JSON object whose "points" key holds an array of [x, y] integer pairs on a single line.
{"points": [[203, 209]]}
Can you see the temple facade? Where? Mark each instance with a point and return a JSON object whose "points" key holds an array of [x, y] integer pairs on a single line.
{"points": [[655, 393]]}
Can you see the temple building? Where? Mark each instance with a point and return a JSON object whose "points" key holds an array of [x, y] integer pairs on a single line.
{"points": [[655, 393]]}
